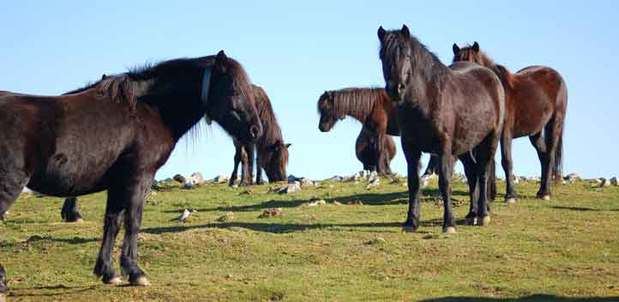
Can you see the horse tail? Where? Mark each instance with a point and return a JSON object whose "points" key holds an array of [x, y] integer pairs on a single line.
{"points": [[557, 169], [492, 181]]}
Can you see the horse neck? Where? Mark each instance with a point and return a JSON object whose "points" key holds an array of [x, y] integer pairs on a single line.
{"points": [[356, 103], [428, 74]]}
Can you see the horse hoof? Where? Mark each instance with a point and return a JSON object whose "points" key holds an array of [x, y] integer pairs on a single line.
{"points": [[141, 281], [2, 299], [546, 197], [485, 220], [510, 200], [114, 281], [409, 229], [449, 230], [471, 220]]}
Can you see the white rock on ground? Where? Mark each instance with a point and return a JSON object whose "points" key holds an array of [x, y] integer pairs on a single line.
{"points": [[290, 188], [220, 179]]}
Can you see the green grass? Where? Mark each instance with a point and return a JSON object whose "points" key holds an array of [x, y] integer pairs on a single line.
{"points": [[533, 250]]}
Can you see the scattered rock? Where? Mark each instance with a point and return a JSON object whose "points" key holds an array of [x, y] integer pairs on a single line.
{"points": [[337, 203], [188, 185], [271, 212], [614, 182], [335, 178], [571, 178], [227, 217], [375, 182], [290, 188], [377, 240], [220, 179], [316, 202], [185, 215]]}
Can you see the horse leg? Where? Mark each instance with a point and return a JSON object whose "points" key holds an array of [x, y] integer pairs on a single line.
{"points": [[444, 182], [259, 180], [542, 153], [237, 160], [485, 157], [551, 134], [113, 209], [471, 178], [70, 211], [506, 162], [245, 167], [250, 163], [134, 195], [412, 155]]}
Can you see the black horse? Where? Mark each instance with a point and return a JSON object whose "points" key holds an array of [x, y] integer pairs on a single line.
{"points": [[454, 111], [114, 136]]}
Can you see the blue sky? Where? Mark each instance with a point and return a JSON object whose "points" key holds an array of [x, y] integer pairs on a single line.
{"points": [[296, 50]]}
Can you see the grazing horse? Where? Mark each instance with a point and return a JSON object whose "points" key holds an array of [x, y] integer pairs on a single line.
{"points": [[270, 149], [536, 102], [371, 107], [114, 136], [454, 111], [367, 148]]}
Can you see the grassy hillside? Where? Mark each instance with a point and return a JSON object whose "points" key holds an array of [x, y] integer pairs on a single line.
{"points": [[566, 248]]}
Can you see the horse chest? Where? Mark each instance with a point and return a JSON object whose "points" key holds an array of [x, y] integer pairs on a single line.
{"points": [[417, 128]]}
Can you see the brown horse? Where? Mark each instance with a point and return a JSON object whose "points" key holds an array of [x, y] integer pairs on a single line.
{"points": [[270, 149], [114, 136], [367, 148], [454, 111], [536, 102], [371, 107]]}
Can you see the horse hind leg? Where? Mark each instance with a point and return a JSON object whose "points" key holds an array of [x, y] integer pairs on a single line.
{"points": [[552, 136]]}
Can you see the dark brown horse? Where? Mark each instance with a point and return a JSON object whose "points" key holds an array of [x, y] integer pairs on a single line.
{"points": [[371, 107], [270, 149], [454, 111], [367, 148], [536, 102], [114, 136]]}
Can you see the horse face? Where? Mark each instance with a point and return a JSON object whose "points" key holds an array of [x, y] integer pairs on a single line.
{"points": [[230, 101], [467, 54], [326, 108], [276, 168], [396, 56]]}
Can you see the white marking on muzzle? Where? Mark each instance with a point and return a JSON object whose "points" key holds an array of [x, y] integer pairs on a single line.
{"points": [[206, 84]]}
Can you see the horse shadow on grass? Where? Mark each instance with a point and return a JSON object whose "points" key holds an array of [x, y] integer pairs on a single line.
{"points": [[531, 298], [49, 291], [583, 209]]}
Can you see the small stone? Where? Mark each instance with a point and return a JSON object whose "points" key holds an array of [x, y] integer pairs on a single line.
{"points": [[604, 182], [290, 188], [377, 240], [614, 182], [185, 215], [571, 178], [335, 178], [227, 217], [271, 212], [318, 202], [337, 203], [220, 179], [375, 182], [188, 185]]}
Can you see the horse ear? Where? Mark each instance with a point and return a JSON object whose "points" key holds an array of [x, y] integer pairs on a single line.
{"points": [[381, 33], [103, 76], [455, 48], [221, 55], [287, 145], [405, 31], [476, 46]]}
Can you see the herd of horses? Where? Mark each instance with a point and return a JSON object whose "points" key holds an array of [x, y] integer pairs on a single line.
{"points": [[116, 133]]}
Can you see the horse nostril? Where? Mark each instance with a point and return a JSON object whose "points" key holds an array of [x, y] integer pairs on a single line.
{"points": [[254, 131]]}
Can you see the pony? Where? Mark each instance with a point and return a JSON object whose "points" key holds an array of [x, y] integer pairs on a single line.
{"points": [[367, 148], [114, 136], [371, 107], [535, 106], [454, 111], [270, 150]]}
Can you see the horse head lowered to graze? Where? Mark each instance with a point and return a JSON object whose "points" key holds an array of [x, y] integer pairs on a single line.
{"points": [[371, 107], [536, 103], [453, 112], [270, 150], [114, 136]]}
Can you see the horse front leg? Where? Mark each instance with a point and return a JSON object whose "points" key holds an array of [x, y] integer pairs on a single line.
{"points": [[444, 181], [70, 211], [259, 179], [104, 267], [413, 156], [134, 195], [237, 160], [506, 162], [471, 178]]}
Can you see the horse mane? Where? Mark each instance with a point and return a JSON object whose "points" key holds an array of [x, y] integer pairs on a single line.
{"points": [[426, 62], [272, 131], [483, 59], [119, 89], [507, 78], [356, 102]]}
